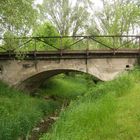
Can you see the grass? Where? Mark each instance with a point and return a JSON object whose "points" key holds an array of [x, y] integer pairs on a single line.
{"points": [[106, 111], [19, 113], [65, 87], [128, 114], [109, 111]]}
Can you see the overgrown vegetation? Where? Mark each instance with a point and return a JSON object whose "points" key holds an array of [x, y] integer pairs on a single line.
{"points": [[100, 111], [65, 87], [108, 111], [19, 113]]}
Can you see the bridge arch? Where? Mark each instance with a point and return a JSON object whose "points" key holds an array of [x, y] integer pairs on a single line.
{"points": [[27, 73], [33, 82]]}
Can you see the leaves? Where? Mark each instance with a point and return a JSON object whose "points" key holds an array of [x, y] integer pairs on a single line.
{"points": [[17, 16], [69, 18], [117, 17]]}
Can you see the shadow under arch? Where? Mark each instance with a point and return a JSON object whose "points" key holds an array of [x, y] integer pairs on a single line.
{"points": [[34, 82]]}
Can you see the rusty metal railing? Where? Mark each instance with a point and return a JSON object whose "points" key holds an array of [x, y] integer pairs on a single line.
{"points": [[64, 43]]}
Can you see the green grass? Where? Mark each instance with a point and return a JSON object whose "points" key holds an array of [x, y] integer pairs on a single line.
{"points": [[109, 111], [19, 113], [65, 87]]}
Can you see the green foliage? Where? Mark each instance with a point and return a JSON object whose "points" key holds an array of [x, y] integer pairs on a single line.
{"points": [[124, 84], [9, 43], [19, 113], [108, 111], [47, 30], [84, 120], [17, 16], [69, 18], [117, 18], [65, 87]]}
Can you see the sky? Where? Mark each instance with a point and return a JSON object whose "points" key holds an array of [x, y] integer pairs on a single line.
{"points": [[38, 1], [98, 3]]}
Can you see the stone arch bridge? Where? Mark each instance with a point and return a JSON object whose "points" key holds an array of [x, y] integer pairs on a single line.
{"points": [[35, 68], [29, 71]]}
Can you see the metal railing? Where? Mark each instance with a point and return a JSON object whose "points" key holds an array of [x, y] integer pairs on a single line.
{"points": [[64, 43]]}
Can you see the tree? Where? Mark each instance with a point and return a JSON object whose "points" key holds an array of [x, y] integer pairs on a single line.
{"points": [[46, 30], [17, 16], [117, 17], [68, 17]]}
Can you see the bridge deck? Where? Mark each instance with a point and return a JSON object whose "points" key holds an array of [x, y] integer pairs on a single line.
{"points": [[72, 54]]}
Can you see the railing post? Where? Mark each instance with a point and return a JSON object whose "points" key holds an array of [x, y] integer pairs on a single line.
{"points": [[87, 53], [139, 43], [113, 41], [120, 38], [35, 58], [128, 40], [35, 44], [61, 47], [114, 47], [87, 48], [35, 48]]}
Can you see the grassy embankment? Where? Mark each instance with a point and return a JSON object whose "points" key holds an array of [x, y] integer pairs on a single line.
{"points": [[108, 111], [19, 113]]}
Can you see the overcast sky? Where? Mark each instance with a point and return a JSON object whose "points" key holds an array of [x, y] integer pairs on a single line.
{"points": [[98, 3]]}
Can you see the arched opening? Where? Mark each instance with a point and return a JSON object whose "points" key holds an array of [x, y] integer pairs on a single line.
{"points": [[59, 99], [34, 82]]}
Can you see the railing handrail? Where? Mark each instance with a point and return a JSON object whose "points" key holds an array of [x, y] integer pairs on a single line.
{"points": [[122, 40], [77, 36]]}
